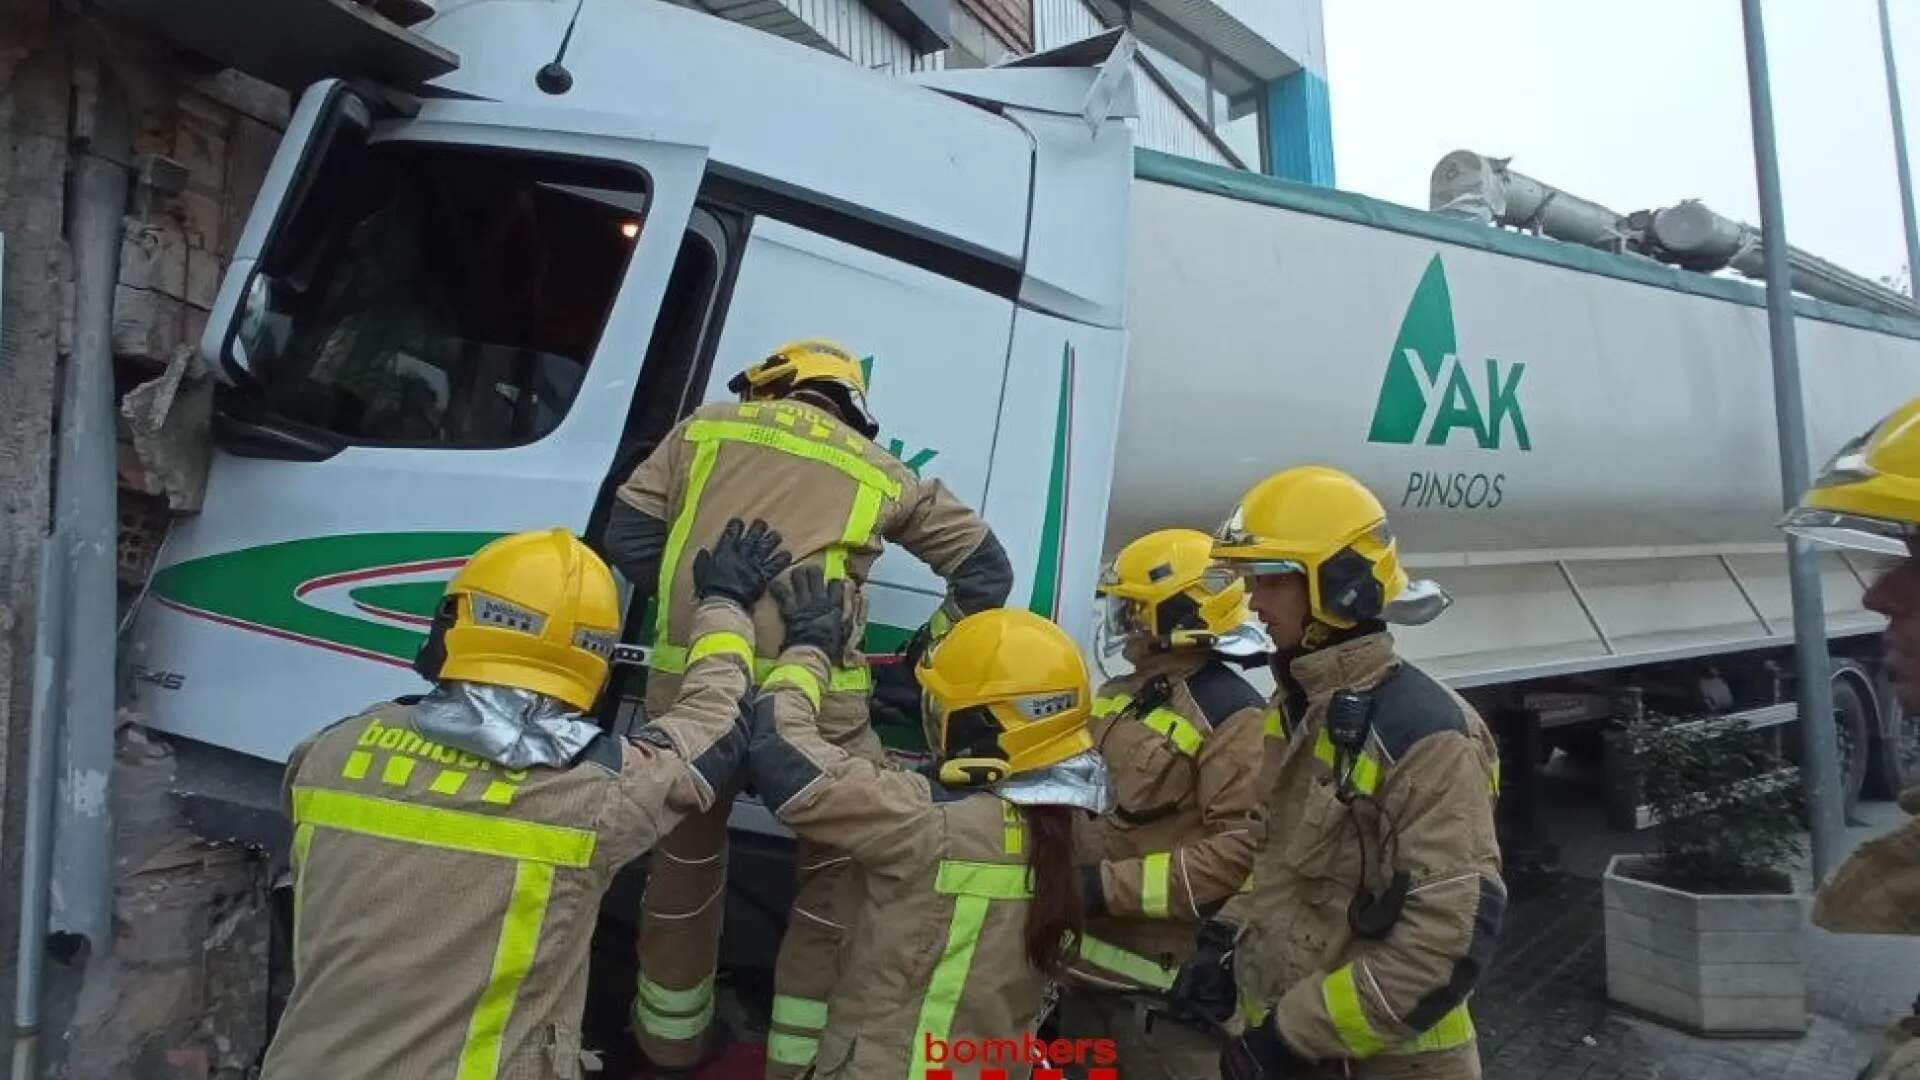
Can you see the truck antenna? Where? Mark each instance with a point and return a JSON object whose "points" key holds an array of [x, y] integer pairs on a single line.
{"points": [[554, 78]]}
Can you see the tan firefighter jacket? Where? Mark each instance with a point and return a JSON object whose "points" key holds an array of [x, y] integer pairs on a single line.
{"points": [[833, 496], [1422, 795], [1183, 742], [443, 905], [938, 956], [1877, 890]]}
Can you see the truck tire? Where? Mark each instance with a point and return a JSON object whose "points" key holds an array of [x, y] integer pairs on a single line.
{"points": [[1894, 764], [1853, 729]]}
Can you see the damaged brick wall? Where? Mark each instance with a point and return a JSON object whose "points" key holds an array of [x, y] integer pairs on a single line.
{"points": [[181, 993], [35, 88]]}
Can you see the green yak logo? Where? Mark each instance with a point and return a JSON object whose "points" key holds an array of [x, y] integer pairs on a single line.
{"points": [[1429, 392]]}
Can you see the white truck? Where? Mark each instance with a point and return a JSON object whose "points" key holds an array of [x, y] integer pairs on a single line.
{"points": [[467, 308]]}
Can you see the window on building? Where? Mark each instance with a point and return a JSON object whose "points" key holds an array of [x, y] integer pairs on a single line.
{"points": [[1225, 101]]}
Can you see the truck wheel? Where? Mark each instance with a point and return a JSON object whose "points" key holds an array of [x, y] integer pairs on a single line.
{"points": [[1852, 723], [1894, 764]]}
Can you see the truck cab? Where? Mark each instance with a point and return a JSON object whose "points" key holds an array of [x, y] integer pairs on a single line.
{"points": [[471, 307]]}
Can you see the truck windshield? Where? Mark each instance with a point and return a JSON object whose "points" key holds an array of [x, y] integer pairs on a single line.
{"points": [[446, 298]]}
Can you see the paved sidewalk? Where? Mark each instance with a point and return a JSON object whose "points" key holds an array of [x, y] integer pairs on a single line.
{"points": [[1543, 1014]]}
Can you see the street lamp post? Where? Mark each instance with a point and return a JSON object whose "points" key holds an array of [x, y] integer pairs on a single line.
{"points": [[1819, 770], [1900, 154]]}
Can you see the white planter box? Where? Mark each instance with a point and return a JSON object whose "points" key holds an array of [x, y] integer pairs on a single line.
{"points": [[1717, 965]]}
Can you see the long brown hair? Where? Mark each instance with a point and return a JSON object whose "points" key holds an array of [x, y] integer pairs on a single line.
{"points": [[1055, 911]]}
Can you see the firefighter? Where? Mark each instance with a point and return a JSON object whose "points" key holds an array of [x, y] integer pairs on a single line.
{"points": [[1182, 737], [1376, 905], [970, 891], [450, 851], [1868, 499], [797, 451]]}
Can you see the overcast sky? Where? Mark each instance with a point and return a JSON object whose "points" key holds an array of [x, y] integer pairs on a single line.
{"points": [[1633, 104]]}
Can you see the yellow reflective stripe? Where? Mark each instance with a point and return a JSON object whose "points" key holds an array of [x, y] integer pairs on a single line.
{"points": [[1365, 773], [1251, 1010], [499, 793], [784, 417], [846, 680], [949, 975], [1365, 776], [448, 782], [1155, 870], [433, 826], [1454, 1029], [795, 1050], [795, 676], [302, 843], [1175, 727], [1247, 885], [1112, 703], [720, 643], [1127, 965], [357, 765], [799, 1012], [1493, 782], [993, 881], [860, 522], [1323, 748], [512, 959], [672, 659], [709, 432], [397, 771], [673, 1028], [1274, 724], [703, 455], [669, 1000], [1013, 829], [1342, 998]]}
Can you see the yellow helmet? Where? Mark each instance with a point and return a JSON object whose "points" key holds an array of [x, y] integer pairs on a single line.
{"points": [[1325, 525], [534, 610], [820, 364], [1163, 588], [1004, 692], [1868, 496]]}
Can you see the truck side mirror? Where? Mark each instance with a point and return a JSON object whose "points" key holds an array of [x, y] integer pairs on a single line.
{"points": [[289, 228]]}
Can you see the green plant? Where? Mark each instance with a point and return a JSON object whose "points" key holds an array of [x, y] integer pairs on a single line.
{"points": [[1728, 808]]}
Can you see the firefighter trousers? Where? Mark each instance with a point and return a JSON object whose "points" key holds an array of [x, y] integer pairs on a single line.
{"points": [[684, 906]]}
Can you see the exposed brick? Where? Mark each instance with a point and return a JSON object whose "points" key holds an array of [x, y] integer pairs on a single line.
{"points": [[199, 215], [147, 324], [154, 257], [200, 142], [203, 278]]}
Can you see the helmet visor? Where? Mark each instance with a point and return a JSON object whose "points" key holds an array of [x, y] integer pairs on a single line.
{"points": [[1118, 622], [933, 722], [1249, 570], [1418, 604], [1854, 532]]}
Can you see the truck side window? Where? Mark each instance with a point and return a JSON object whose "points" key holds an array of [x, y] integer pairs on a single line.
{"points": [[455, 300]]}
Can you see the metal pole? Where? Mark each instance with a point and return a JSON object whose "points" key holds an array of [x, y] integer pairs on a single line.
{"points": [[1819, 769], [86, 521], [1900, 155], [36, 859]]}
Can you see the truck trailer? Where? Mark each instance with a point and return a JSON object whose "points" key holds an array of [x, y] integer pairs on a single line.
{"points": [[469, 307]]}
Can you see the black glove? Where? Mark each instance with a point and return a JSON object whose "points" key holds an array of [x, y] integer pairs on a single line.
{"points": [[1093, 892], [1261, 1054], [739, 564], [814, 609], [1203, 993]]}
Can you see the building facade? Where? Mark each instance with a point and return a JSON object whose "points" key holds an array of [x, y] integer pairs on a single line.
{"points": [[1240, 83]]}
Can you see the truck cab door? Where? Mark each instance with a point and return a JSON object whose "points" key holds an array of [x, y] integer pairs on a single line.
{"points": [[431, 334]]}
